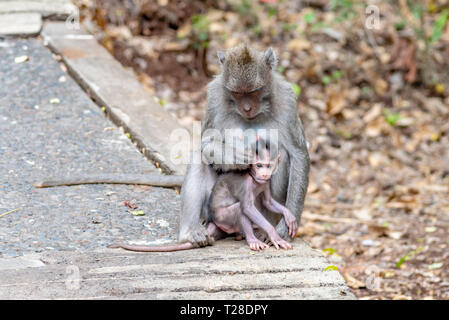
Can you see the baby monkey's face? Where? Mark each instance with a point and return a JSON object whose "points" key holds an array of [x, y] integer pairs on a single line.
{"points": [[262, 169]]}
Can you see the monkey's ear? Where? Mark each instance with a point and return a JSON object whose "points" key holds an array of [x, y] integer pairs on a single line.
{"points": [[221, 56], [270, 58], [279, 157]]}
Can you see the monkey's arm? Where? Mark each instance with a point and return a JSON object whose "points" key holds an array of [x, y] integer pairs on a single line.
{"points": [[297, 186], [249, 209], [276, 207], [155, 180]]}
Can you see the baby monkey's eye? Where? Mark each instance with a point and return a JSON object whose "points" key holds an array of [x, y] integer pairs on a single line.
{"points": [[259, 165]]}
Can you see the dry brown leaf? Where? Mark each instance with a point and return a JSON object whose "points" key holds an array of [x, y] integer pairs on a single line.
{"points": [[336, 100], [298, 44], [353, 282], [380, 86]]}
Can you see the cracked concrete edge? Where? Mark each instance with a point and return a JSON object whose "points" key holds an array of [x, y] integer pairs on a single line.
{"points": [[117, 89], [27, 24], [55, 10]]}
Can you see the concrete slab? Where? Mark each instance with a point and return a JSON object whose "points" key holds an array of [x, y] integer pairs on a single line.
{"points": [[19, 263], [57, 9], [118, 90], [20, 24], [228, 270]]}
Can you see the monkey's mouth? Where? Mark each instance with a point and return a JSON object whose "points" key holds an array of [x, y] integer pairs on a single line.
{"points": [[251, 117], [261, 180], [248, 115]]}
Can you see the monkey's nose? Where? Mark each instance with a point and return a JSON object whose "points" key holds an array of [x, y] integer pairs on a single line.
{"points": [[247, 107]]}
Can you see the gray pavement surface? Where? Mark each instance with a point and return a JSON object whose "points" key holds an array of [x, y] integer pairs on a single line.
{"points": [[39, 138]]}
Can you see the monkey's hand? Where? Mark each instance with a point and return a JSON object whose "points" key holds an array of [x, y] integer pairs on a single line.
{"points": [[272, 238], [283, 230], [237, 155], [198, 236], [291, 222], [227, 156]]}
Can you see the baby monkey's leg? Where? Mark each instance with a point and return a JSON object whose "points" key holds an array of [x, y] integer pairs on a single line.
{"points": [[247, 229], [214, 233]]}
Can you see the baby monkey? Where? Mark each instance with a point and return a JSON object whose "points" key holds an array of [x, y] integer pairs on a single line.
{"points": [[233, 209]]}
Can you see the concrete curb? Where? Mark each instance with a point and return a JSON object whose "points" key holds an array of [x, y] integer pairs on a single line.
{"points": [[117, 89], [54, 9], [227, 270], [20, 24]]}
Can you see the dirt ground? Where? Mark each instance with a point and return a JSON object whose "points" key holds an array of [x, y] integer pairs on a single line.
{"points": [[374, 100]]}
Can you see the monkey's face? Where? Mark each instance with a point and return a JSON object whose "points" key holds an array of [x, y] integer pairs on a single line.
{"points": [[262, 169], [248, 103], [247, 75]]}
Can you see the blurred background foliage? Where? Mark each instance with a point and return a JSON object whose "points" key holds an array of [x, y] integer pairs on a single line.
{"points": [[372, 80]]}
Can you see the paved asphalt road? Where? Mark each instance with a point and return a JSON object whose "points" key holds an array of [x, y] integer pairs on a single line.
{"points": [[50, 127]]}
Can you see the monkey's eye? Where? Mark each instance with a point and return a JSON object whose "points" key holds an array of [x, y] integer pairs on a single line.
{"points": [[259, 165], [268, 166], [266, 99]]}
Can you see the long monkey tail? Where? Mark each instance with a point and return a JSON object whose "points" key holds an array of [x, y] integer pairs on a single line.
{"points": [[168, 248], [156, 180]]}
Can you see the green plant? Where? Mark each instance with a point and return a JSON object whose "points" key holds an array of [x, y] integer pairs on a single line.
{"points": [[334, 77], [243, 7], [247, 9], [271, 10], [344, 9], [326, 80], [337, 74], [200, 25], [310, 17], [399, 25], [391, 117], [257, 29], [296, 89], [415, 13], [439, 25], [409, 256]]}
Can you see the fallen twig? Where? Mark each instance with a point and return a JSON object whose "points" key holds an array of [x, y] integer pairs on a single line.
{"points": [[313, 216], [4, 214]]}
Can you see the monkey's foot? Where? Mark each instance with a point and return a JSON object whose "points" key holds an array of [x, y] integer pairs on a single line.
{"points": [[280, 243], [256, 244], [198, 237], [238, 237]]}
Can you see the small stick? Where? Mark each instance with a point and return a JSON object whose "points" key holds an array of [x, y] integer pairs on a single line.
{"points": [[318, 217], [4, 214]]}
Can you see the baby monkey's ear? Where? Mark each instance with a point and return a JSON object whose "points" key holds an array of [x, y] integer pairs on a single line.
{"points": [[279, 157]]}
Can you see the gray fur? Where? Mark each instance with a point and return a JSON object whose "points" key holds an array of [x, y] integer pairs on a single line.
{"points": [[278, 110]]}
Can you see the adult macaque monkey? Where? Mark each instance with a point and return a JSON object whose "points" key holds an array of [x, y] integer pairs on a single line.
{"points": [[247, 94]]}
